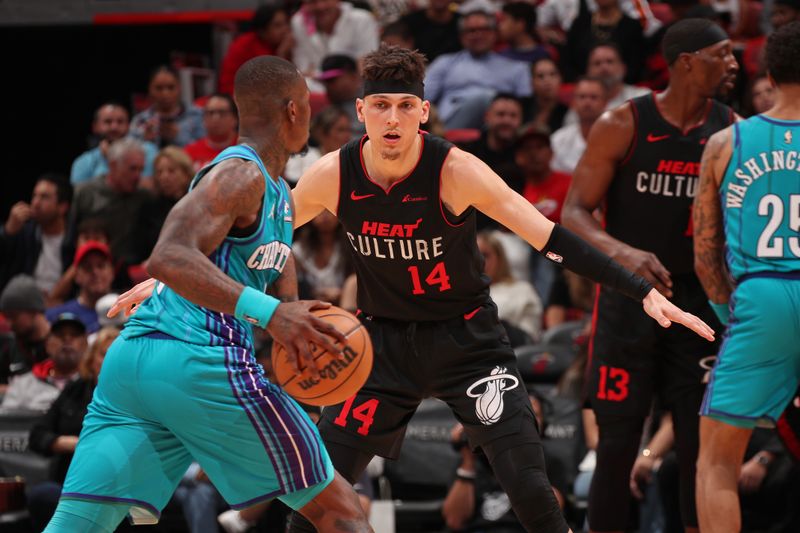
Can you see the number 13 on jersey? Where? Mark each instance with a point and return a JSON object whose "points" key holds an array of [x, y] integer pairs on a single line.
{"points": [[436, 277]]}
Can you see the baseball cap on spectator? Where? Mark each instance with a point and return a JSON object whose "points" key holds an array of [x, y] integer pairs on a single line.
{"points": [[335, 65], [22, 294], [67, 319], [531, 130], [101, 308], [477, 6], [89, 247]]}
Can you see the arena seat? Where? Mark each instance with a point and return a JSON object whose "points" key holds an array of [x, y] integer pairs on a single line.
{"points": [[462, 135]]}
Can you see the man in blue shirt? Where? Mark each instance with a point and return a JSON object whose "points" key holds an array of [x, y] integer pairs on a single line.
{"points": [[463, 84], [111, 122]]}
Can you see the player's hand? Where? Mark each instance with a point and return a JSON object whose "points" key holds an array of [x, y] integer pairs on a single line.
{"points": [[302, 334], [665, 313], [641, 474], [752, 476], [647, 265], [129, 301], [19, 215]]}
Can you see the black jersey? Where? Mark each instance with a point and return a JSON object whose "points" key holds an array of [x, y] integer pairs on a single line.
{"points": [[649, 202], [414, 260]]}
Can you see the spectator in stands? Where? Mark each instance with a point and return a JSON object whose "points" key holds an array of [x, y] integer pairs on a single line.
{"points": [[331, 130], [32, 240], [24, 346], [608, 24], [780, 13], [398, 34], [173, 173], [517, 28], [116, 199], [546, 109], [434, 29], [762, 95], [269, 35], [37, 390], [167, 120], [221, 122], [111, 122], [56, 433], [545, 189], [91, 229], [342, 81], [518, 304], [560, 14], [495, 147], [94, 272], [322, 257], [569, 143], [605, 63], [463, 84], [324, 27]]}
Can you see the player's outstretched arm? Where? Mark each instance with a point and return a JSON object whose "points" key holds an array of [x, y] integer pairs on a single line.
{"points": [[608, 144], [317, 189], [468, 181], [709, 233]]}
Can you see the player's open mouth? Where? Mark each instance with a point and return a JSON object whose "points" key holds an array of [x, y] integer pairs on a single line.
{"points": [[391, 138]]}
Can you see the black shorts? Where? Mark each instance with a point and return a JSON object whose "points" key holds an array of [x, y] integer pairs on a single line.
{"points": [[467, 362], [632, 357]]}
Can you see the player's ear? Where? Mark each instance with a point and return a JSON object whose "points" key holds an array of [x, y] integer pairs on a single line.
{"points": [[360, 109], [291, 111], [426, 112]]}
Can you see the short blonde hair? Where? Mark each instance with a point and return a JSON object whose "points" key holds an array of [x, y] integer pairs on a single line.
{"points": [[177, 155], [102, 341]]}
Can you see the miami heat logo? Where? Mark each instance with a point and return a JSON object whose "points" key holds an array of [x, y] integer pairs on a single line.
{"points": [[489, 403]]}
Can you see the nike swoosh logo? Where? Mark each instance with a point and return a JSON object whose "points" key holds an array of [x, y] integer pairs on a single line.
{"points": [[655, 138], [468, 316], [357, 197]]}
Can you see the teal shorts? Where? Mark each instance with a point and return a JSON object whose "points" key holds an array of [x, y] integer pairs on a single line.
{"points": [[161, 403], [758, 367]]}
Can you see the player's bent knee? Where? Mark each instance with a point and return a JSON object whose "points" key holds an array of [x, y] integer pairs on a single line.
{"points": [[337, 505]]}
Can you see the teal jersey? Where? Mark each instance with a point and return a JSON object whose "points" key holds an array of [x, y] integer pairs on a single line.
{"points": [[255, 260], [760, 197]]}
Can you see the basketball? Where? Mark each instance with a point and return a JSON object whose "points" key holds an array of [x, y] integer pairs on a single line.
{"points": [[338, 378]]}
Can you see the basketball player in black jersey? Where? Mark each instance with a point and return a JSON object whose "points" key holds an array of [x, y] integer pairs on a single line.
{"points": [[408, 202], [642, 162]]}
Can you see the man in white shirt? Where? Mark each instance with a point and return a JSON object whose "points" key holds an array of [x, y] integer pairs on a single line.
{"points": [[569, 143], [324, 27]]}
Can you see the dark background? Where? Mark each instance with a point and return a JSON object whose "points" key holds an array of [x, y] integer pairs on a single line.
{"points": [[52, 79]]}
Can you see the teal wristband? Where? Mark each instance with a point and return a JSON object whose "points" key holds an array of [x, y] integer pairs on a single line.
{"points": [[255, 307], [723, 312]]}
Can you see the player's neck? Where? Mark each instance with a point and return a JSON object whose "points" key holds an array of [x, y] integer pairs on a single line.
{"points": [[270, 150], [683, 107], [388, 171], [787, 103]]}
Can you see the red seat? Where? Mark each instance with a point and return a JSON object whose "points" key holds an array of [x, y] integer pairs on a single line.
{"points": [[662, 12], [462, 135]]}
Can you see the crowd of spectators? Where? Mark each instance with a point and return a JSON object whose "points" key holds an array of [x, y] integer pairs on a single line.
{"points": [[517, 83]]}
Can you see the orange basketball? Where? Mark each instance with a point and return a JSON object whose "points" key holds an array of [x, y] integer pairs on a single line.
{"points": [[338, 378]]}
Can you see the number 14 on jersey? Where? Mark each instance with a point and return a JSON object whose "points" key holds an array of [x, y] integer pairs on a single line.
{"points": [[436, 278]]}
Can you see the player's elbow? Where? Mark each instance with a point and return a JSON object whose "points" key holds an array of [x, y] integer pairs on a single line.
{"points": [[159, 265]]}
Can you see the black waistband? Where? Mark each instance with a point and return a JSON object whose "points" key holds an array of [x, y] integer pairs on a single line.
{"points": [[795, 274]]}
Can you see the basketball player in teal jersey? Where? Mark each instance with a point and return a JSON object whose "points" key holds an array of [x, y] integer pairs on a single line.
{"points": [[182, 383], [747, 256]]}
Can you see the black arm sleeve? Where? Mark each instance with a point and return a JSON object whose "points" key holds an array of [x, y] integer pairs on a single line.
{"points": [[575, 254]]}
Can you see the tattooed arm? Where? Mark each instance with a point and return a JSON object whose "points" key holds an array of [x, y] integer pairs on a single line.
{"points": [[231, 193], [709, 234]]}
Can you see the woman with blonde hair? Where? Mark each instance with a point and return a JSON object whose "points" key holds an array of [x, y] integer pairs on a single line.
{"points": [[56, 433], [518, 304]]}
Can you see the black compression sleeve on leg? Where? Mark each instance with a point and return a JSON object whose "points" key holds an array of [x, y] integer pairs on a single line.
{"points": [[575, 254]]}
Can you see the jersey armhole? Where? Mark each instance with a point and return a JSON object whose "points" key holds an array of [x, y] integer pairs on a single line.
{"points": [[635, 139], [450, 218]]}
